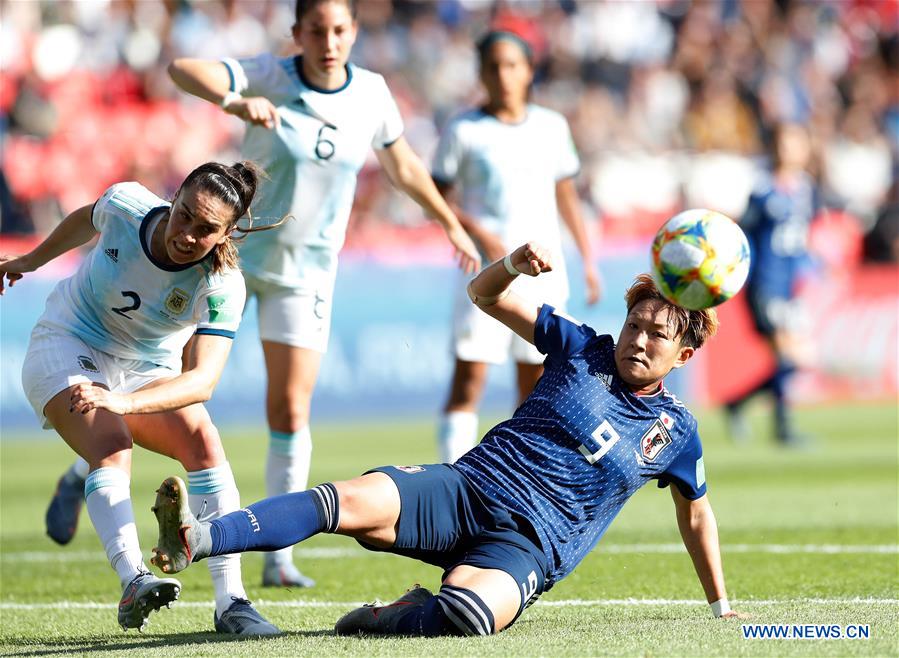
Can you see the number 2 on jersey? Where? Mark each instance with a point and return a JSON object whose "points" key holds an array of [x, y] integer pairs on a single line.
{"points": [[604, 437], [135, 304]]}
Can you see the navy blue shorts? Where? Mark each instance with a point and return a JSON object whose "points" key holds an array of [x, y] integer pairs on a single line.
{"points": [[444, 521]]}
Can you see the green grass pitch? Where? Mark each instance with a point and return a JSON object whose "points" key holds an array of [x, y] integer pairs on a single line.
{"points": [[808, 537]]}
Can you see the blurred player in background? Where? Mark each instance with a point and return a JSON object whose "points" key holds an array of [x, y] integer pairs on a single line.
{"points": [[518, 512], [513, 165], [311, 121], [127, 351], [777, 222]]}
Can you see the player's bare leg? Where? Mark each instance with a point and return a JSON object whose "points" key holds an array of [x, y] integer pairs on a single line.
{"points": [[366, 508], [189, 436], [458, 431], [495, 588], [369, 509], [527, 376], [104, 441], [292, 373]]}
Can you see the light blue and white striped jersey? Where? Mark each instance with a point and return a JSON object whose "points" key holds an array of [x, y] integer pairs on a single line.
{"points": [[507, 173], [124, 302], [312, 160]]}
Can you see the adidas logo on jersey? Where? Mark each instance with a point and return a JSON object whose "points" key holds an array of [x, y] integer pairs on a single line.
{"points": [[605, 378], [113, 255]]}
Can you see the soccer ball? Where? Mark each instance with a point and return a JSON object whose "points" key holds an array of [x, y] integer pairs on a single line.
{"points": [[700, 258]]}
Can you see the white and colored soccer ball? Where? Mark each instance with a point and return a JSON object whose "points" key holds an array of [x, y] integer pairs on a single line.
{"points": [[700, 258]]}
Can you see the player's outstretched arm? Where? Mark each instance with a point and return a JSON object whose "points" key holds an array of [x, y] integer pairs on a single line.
{"points": [[490, 289], [195, 384], [408, 173], [75, 230], [699, 530], [209, 80]]}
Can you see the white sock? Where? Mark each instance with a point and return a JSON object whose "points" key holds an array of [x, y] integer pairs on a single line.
{"points": [[108, 496], [287, 470], [79, 469], [211, 493], [457, 435]]}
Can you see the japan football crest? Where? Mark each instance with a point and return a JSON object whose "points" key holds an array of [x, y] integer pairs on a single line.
{"points": [[654, 441]]}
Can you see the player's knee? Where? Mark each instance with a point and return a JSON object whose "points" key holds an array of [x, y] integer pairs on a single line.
{"points": [[202, 449], [465, 396], [467, 387], [115, 454], [288, 413], [465, 612]]}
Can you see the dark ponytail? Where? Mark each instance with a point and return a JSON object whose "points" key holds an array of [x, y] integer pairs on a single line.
{"points": [[236, 185]]}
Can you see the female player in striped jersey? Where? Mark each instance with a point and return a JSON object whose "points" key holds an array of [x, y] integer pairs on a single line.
{"points": [[128, 349], [311, 121], [514, 165]]}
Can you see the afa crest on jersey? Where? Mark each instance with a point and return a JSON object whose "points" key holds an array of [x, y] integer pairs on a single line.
{"points": [[654, 441], [176, 302]]}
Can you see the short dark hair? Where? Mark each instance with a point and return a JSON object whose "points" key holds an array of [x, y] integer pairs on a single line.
{"points": [[693, 327], [303, 6]]}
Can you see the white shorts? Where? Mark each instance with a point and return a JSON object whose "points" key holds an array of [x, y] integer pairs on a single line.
{"points": [[294, 316], [480, 338], [56, 360]]}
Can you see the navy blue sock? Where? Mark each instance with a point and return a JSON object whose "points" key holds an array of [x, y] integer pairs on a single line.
{"points": [[454, 611], [422, 620], [276, 522]]}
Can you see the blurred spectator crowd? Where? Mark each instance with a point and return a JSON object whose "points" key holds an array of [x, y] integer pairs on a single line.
{"points": [[671, 102]]}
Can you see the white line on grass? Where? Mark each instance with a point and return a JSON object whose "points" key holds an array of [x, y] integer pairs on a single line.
{"points": [[609, 549], [826, 549], [563, 603]]}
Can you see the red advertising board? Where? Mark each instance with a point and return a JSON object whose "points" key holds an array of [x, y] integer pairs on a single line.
{"points": [[853, 334]]}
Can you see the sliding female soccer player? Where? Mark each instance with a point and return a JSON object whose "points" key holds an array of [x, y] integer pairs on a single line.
{"points": [[127, 351], [518, 512], [512, 165], [311, 121]]}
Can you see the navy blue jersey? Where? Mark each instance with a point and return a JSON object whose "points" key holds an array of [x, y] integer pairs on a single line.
{"points": [[582, 444], [777, 224]]}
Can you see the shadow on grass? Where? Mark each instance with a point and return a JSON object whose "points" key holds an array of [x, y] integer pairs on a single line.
{"points": [[88, 645]]}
